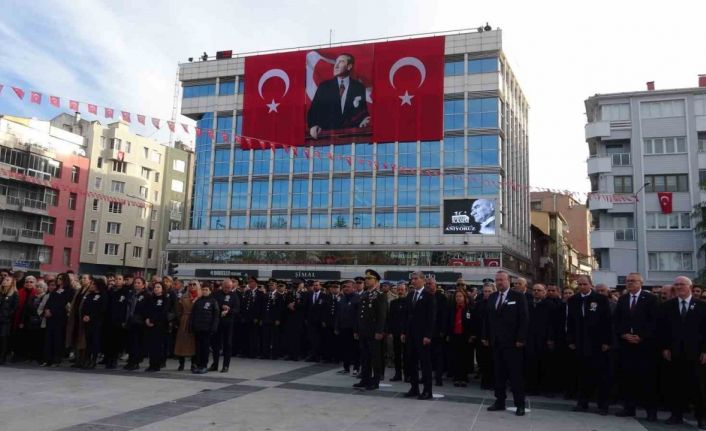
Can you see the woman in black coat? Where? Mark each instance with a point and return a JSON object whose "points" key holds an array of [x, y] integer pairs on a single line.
{"points": [[92, 314], [459, 330], [56, 316], [204, 323], [156, 319], [8, 305]]}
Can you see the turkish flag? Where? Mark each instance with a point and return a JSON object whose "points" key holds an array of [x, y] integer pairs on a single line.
{"points": [[665, 201], [185, 127], [210, 134], [226, 137], [35, 98], [93, 109], [19, 92], [155, 122], [171, 125], [409, 90], [198, 132], [54, 101], [126, 116], [491, 262], [108, 113], [1, 87], [73, 105], [141, 119], [273, 104]]}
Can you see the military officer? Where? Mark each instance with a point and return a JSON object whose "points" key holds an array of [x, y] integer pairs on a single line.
{"points": [[370, 330]]}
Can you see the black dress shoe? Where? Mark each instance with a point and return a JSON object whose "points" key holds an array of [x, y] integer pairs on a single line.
{"points": [[425, 396], [439, 383], [360, 385], [674, 420], [396, 378], [412, 393], [625, 413], [496, 407], [224, 369], [520, 411], [181, 367], [372, 387], [406, 379], [651, 416], [213, 367]]}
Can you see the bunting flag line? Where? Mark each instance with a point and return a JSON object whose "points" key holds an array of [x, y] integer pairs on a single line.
{"points": [[141, 119], [54, 101], [35, 98], [73, 105], [19, 92]]}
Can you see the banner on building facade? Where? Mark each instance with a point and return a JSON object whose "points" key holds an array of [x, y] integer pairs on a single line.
{"points": [[474, 216]]}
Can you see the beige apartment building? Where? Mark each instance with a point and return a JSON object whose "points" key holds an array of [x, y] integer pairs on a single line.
{"points": [[126, 221]]}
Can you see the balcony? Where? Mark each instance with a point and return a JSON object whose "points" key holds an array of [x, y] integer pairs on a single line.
{"points": [[33, 206], [31, 236], [599, 165], [596, 203], [625, 234], [597, 129], [9, 234], [602, 238], [621, 159]]}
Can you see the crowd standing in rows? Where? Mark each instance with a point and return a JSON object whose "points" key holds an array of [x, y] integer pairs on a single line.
{"points": [[637, 347]]}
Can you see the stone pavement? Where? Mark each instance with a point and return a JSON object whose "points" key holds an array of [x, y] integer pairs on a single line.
{"points": [[263, 395]]}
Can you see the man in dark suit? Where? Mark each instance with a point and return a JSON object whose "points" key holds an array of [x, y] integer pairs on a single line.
{"points": [[589, 335], [635, 321], [505, 331], [339, 102], [396, 321], [683, 343], [417, 335], [316, 306], [438, 339], [540, 339]]}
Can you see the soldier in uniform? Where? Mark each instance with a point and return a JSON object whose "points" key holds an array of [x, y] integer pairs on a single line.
{"points": [[230, 306], [370, 330], [272, 321], [330, 345], [295, 301], [346, 316], [254, 300]]}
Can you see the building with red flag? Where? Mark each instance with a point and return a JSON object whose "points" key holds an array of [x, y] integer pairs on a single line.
{"points": [[650, 147], [43, 179], [397, 154]]}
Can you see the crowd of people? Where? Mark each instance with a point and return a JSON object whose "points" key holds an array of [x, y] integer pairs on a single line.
{"points": [[637, 347]]}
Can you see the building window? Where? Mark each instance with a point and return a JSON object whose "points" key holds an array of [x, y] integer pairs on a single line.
{"points": [[241, 162], [136, 252], [673, 221], [91, 247], [339, 221], [342, 158], [155, 196], [453, 114], [113, 228], [319, 193], [111, 249], [224, 123], [69, 232], [221, 163], [385, 157], [177, 186], [300, 195], [363, 157], [98, 183], [258, 222], [217, 223], [278, 221], [226, 88], [103, 143], [483, 65], [671, 145], [429, 190], [261, 162], [201, 90], [238, 124], [483, 150], [454, 185], [139, 231], [145, 153], [483, 113], [430, 153], [67, 257], [322, 162], [615, 112], [536, 205], [624, 228], [75, 172], [406, 190], [72, 201], [47, 225], [702, 179], [94, 226], [143, 192], [670, 261], [156, 177], [453, 67], [99, 162], [341, 192], [115, 207], [149, 253], [319, 221], [384, 219], [51, 197], [428, 219], [363, 192], [128, 145], [119, 166], [454, 152], [145, 173], [155, 213], [156, 157], [115, 144], [280, 193], [483, 184], [239, 195], [281, 161], [662, 109], [622, 184], [95, 205], [407, 154], [260, 189], [238, 222], [179, 165], [117, 186], [667, 183], [406, 220], [299, 221], [385, 191]]}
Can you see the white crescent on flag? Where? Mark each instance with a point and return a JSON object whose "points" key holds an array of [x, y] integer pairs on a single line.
{"points": [[274, 73], [664, 200], [408, 61]]}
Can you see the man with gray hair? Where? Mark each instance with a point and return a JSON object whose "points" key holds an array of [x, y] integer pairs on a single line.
{"points": [[417, 335]]}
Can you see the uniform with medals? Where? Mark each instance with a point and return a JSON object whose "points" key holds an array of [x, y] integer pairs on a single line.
{"points": [[370, 328]]}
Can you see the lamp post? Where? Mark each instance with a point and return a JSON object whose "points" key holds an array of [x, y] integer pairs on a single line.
{"points": [[637, 234], [125, 244]]}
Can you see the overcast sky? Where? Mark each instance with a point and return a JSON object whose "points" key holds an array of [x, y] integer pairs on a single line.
{"points": [[125, 54]]}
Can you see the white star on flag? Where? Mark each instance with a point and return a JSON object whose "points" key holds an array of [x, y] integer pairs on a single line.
{"points": [[273, 106], [406, 98]]}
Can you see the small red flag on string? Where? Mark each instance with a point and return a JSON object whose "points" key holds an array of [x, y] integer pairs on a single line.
{"points": [[35, 97], [198, 132], [1, 87], [210, 133], [171, 125], [141, 119], [54, 101], [108, 113], [185, 127], [155, 122], [93, 109], [295, 151], [126, 116], [19, 92], [225, 137], [73, 105]]}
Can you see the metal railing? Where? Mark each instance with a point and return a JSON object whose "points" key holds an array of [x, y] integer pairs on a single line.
{"points": [[34, 203], [32, 234], [9, 231], [14, 200], [621, 159]]}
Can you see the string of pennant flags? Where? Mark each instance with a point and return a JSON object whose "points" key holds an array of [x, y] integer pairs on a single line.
{"points": [[248, 143]]}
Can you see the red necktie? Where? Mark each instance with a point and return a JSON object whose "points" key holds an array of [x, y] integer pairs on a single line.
{"points": [[341, 90]]}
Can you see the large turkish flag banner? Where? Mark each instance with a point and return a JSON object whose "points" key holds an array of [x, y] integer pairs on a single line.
{"points": [[274, 100], [409, 90]]}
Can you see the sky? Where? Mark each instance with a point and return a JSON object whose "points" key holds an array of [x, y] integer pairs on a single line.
{"points": [[125, 54]]}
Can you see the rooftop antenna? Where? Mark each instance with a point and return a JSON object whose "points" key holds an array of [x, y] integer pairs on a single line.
{"points": [[330, 37], [175, 105]]}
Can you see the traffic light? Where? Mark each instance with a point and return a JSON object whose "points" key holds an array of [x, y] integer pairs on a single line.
{"points": [[172, 268]]}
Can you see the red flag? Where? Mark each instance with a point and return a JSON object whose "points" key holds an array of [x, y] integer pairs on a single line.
{"points": [[409, 90], [491, 261], [273, 104], [262, 144], [73, 105], [185, 127], [125, 115], [35, 97], [198, 132], [665, 201], [210, 134], [225, 137], [141, 119], [19, 92], [171, 125], [93, 109], [54, 101], [108, 112], [155, 122], [1, 87]]}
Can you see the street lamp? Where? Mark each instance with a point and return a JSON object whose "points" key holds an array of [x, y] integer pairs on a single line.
{"points": [[637, 233]]}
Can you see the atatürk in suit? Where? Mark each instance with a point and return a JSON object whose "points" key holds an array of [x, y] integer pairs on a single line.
{"points": [[589, 330], [420, 324], [637, 315], [506, 325], [326, 111], [683, 341]]}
